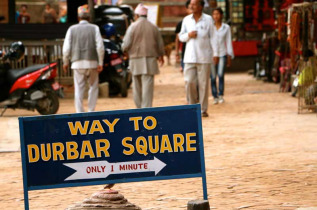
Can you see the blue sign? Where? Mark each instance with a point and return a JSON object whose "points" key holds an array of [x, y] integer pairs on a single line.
{"points": [[112, 147]]}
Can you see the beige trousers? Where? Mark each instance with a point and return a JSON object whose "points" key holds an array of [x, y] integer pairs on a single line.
{"points": [[143, 88], [81, 76], [196, 74]]}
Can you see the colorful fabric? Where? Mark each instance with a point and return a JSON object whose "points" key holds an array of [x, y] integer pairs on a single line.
{"points": [[307, 76], [83, 10]]}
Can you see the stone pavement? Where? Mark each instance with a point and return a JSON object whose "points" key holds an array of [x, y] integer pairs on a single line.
{"points": [[260, 154]]}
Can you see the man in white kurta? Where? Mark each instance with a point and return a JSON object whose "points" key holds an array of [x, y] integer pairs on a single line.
{"points": [[144, 44], [197, 31], [83, 45]]}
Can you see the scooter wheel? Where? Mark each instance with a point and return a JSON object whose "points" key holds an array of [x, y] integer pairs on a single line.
{"points": [[49, 104]]}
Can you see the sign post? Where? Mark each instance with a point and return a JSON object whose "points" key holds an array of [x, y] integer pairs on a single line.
{"points": [[112, 147]]}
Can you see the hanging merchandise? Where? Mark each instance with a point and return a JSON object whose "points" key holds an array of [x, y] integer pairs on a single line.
{"points": [[307, 76], [305, 37], [306, 81], [302, 38], [315, 27], [294, 38], [287, 3], [281, 24], [259, 15]]}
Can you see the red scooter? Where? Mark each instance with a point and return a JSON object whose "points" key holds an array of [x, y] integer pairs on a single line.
{"points": [[29, 88]]}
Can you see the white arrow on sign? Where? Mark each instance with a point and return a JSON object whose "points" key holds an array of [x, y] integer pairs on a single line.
{"points": [[102, 169]]}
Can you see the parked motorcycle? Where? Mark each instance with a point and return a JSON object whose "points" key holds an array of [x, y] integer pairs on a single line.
{"points": [[116, 64], [30, 88], [120, 16]]}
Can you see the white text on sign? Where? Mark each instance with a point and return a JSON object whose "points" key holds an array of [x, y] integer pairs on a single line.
{"points": [[102, 169]]}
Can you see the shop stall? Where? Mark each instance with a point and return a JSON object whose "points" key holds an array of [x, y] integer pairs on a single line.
{"points": [[302, 39], [296, 61]]}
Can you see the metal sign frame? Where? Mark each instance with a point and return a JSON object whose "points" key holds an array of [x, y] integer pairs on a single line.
{"points": [[27, 188]]}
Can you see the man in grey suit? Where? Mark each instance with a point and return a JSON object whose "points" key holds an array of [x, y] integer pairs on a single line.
{"points": [[145, 46], [83, 45]]}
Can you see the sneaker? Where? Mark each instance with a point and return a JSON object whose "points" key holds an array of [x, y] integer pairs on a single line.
{"points": [[204, 114], [215, 101], [221, 100]]}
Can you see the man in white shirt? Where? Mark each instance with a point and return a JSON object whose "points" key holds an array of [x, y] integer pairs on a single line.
{"points": [[197, 31], [83, 45]]}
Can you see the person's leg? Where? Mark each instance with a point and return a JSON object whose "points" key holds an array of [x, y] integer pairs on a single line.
{"points": [[190, 76], [93, 80], [203, 72], [147, 90], [137, 90], [182, 64], [79, 86], [213, 77], [221, 74]]}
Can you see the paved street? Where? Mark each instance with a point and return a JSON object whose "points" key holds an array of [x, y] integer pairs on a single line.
{"points": [[260, 154]]}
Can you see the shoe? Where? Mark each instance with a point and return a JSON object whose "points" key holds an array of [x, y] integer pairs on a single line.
{"points": [[204, 114], [215, 101], [221, 100]]}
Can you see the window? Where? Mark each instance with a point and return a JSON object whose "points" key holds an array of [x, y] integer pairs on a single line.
{"points": [[223, 5], [39, 11], [237, 11]]}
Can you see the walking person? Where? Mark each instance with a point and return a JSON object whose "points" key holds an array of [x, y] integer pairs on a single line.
{"points": [[197, 31], [83, 45], [145, 46], [178, 44], [222, 38]]}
